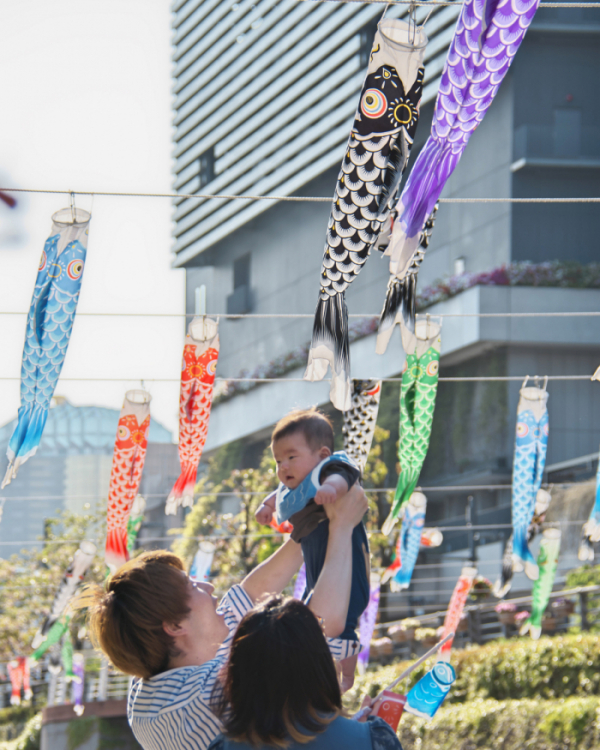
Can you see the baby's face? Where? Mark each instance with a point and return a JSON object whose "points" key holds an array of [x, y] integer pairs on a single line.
{"points": [[295, 458]]}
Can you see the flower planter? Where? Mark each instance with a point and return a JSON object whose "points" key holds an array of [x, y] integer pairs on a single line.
{"points": [[399, 635], [562, 608], [506, 618], [549, 624], [463, 624]]}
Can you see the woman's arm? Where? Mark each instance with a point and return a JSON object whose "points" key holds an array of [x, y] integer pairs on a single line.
{"points": [[274, 574]]}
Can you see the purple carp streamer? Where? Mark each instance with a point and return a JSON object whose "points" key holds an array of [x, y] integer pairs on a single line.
{"points": [[366, 189], [487, 37]]}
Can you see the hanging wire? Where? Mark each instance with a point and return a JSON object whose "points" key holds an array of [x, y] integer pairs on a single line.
{"points": [[296, 198], [364, 316]]}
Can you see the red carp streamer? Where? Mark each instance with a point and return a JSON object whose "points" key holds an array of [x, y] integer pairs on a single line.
{"points": [[455, 608], [198, 370], [126, 473]]}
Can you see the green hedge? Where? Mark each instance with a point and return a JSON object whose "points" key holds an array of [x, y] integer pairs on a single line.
{"points": [[29, 739], [553, 667], [566, 724]]}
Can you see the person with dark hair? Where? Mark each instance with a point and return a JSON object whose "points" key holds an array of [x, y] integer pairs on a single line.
{"points": [[156, 624], [312, 475], [279, 695]]}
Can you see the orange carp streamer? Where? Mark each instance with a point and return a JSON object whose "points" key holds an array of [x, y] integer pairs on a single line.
{"points": [[455, 608], [127, 466], [198, 370]]}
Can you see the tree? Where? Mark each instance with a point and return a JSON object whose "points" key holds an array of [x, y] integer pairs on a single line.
{"points": [[241, 542], [29, 580]]}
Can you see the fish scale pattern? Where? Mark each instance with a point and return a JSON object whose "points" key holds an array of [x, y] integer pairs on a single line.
{"points": [[547, 562], [531, 444], [198, 370], [47, 335], [413, 522], [417, 403], [456, 606], [126, 473], [487, 37], [360, 420], [366, 189], [590, 534]]}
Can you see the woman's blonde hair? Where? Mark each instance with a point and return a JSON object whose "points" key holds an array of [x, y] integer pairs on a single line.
{"points": [[126, 616]]}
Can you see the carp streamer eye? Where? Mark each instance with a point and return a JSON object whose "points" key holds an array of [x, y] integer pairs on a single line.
{"points": [[403, 114], [123, 432], [54, 271], [373, 104], [522, 429], [75, 269], [42, 261]]}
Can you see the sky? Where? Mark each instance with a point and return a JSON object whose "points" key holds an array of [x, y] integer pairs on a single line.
{"points": [[86, 106]]}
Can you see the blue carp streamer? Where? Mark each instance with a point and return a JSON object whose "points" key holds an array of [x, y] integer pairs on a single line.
{"points": [[49, 326], [528, 467]]}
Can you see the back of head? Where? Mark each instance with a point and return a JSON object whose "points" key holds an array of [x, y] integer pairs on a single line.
{"points": [[126, 618], [313, 424], [281, 680]]}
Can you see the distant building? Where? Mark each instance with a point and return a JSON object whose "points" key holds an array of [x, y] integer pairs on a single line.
{"points": [[265, 94], [71, 471]]}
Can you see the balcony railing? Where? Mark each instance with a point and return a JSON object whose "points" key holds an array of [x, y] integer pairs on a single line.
{"points": [[551, 142]]}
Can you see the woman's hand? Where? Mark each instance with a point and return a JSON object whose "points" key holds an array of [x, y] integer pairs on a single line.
{"points": [[367, 708]]}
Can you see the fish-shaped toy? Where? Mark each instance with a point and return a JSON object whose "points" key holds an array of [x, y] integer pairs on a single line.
{"points": [[542, 588], [413, 521], [18, 674], [366, 189], [400, 304], [424, 698], [48, 330], [72, 580], [300, 583], [367, 623], [487, 37], [456, 607], [54, 636], [198, 370], [202, 562], [417, 404], [78, 683], [360, 420], [590, 534], [510, 565], [126, 473], [531, 444]]}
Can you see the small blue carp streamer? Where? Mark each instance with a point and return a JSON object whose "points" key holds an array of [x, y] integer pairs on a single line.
{"points": [[202, 562], [366, 190], [503, 584], [429, 693], [531, 444], [590, 534], [487, 37], [49, 326], [413, 522]]}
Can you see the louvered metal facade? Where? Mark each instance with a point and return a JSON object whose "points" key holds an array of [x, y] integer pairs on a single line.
{"points": [[265, 95]]}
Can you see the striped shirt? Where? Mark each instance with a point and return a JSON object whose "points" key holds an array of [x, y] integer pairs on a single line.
{"points": [[175, 710]]}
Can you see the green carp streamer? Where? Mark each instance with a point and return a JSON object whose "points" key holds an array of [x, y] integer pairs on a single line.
{"points": [[547, 563], [417, 403]]}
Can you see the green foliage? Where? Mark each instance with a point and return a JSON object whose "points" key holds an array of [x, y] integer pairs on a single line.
{"points": [[29, 739], [520, 668], [244, 543], [34, 575], [511, 725]]}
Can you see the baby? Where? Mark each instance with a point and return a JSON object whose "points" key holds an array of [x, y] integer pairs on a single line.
{"points": [[311, 476]]}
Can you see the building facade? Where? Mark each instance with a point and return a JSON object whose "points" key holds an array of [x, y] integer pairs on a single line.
{"points": [[265, 94]]}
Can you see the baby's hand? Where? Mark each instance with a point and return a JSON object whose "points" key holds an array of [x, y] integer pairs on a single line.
{"points": [[326, 494], [264, 514]]}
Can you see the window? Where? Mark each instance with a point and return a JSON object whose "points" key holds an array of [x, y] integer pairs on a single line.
{"points": [[239, 302]]}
